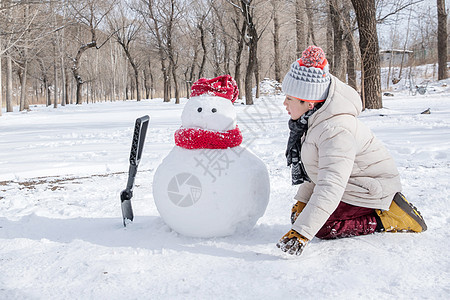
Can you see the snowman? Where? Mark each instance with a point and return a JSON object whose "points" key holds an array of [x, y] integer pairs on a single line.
{"points": [[209, 185]]}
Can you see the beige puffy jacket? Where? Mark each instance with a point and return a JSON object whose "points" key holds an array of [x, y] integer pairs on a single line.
{"points": [[344, 160]]}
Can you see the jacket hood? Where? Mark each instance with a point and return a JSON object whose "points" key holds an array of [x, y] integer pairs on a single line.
{"points": [[341, 100]]}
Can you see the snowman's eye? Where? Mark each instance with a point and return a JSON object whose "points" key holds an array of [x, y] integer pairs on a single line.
{"points": [[199, 109], [214, 110]]}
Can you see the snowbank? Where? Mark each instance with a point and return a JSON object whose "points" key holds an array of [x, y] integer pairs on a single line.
{"points": [[61, 233]]}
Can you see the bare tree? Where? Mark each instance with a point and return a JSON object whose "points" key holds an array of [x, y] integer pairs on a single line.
{"points": [[211, 38], [442, 40], [152, 17], [310, 15], [90, 14], [240, 26], [23, 72], [350, 45], [276, 41], [368, 44], [247, 9], [223, 37], [125, 31], [1, 83], [337, 66], [193, 51], [172, 13], [17, 22], [300, 16], [201, 28]]}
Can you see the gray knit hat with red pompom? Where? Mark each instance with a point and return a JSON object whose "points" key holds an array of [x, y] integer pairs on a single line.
{"points": [[308, 79]]}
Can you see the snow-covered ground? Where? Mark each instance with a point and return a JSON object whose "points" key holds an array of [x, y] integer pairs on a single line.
{"points": [[61, 232]]}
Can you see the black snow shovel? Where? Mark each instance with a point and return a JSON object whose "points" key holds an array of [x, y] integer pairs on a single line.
{"points": [[140, 129]]}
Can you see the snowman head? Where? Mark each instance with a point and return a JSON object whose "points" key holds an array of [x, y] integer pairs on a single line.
{"points": [[211, 104]]}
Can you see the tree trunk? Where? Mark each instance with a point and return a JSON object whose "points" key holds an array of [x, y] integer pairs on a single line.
{"points": [[202, 41], [9, 78], [71, 91], [132, 87], [87, 92], [55, 76], [113, 71], [276, 42], [300, 27], [161, 52], [66, 87], [45, 83], [165, 82], [338, 32], [257, 79], [351, 74], [9, 84], [311, 29], [55, 59], [78, 95], [252, 44], [1, 83], [63, 83], [330, 39], [226, 57], [175, 83], [251, 65], [62, 53], [238, 60], [76, 69], [146, 88], [370, 56], [172, 58], [152, 87], [23, 103], [215, 52], [190, 80], [442, 40], [135, 71], [351, 62], [23, 87]]}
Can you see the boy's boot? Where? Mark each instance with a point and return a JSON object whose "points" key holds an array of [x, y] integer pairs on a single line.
{"points": [[401, 216]]}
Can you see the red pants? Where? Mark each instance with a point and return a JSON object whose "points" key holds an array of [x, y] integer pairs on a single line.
{"points": [[349, 220]]}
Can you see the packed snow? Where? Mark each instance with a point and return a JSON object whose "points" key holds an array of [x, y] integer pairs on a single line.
{"points": [[61, 232]]}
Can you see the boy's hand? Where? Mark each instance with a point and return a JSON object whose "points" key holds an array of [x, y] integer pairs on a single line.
{"points": [[292, 243]]}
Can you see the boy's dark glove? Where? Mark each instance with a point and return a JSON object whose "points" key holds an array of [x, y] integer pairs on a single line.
{"points": [[292, 243], [296, 210]]}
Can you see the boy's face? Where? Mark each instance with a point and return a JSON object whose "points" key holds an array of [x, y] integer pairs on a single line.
{"points": [[295, 107]]}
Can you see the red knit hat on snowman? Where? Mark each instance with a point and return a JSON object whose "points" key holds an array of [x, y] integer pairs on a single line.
{"points": [[222, 86]]}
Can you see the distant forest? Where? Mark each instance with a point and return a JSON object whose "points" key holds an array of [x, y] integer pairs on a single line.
{"points": [[60, 52]]}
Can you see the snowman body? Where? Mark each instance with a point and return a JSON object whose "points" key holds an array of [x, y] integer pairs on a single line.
{"points": [[210, 192]]}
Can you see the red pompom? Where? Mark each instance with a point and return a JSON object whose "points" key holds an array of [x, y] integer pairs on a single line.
{"points": [[223, 86], [313, 56]]}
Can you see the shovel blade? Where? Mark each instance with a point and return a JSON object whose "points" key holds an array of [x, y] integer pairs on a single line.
{"points": [[127, 212]]}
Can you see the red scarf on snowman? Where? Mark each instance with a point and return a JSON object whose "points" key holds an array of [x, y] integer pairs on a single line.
{"points": [[196, 138]]}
